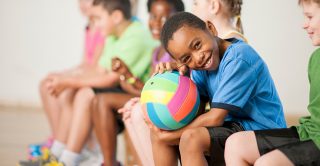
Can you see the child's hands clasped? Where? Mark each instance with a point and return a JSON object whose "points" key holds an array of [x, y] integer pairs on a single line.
{"points": [[169, 66], [56, 84]]}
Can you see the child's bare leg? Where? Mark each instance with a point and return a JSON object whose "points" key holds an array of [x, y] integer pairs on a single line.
{"points": [[51, 107], [81, 120], [163, 153], [105, 124], [275, 157], [139, 134], [65, 101], [193, 145], [241, 149]]}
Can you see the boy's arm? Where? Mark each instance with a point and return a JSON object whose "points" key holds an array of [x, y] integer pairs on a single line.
{"points": [[214, 117], [94, 79]]}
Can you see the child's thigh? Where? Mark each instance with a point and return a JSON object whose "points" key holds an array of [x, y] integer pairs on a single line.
{"points": [[114, 100]]}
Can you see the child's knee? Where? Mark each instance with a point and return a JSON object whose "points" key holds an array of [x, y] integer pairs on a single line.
{"points": [[85, 94], [263, 161], [237, 144], [233, 140], [191, 139], [136, 114], [101, 102]]}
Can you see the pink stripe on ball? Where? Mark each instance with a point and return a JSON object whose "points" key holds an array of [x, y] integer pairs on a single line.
{"points": [[180, 95]]}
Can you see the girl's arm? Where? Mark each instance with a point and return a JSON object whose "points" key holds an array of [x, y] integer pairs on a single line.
{"points": [[97, 54], [99, 41]]}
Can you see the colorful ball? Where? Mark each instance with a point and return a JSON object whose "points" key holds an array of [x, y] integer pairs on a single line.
{"points": [[170, 101]]}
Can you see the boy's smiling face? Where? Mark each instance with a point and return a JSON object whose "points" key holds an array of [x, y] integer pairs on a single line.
{"points": [[311, 24], [196, 48]]}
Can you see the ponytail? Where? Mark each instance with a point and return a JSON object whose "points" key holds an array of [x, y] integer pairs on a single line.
{"points": [[239, 24]]}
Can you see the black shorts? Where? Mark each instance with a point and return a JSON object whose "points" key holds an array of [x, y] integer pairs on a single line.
{"points": [[117, 89], [287, 141], [218, 136]]}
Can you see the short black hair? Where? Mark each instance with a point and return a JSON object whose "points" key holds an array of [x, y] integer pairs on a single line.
{"points": [[177, 5], [111, 5], [178, 21]]}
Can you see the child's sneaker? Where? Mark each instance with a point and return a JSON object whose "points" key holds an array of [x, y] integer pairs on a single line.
{"points": [[40, 163], [45, 158], [54, 163], [35, 150]]}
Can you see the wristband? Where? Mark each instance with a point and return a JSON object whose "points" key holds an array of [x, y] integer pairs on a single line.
{"points": [[130, 80]]}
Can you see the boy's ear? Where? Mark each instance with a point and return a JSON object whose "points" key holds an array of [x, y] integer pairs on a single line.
{"points": [[117, 16], [212, 29]]}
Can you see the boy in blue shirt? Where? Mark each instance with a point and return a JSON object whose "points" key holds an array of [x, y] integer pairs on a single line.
{"points": [[231, 76]]}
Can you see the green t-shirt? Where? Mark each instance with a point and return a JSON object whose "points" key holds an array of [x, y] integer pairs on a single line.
{"points": [[134, 47], [310, 126]]}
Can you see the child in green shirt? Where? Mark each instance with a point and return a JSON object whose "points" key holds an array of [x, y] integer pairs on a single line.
{"points": [[298, 145]]}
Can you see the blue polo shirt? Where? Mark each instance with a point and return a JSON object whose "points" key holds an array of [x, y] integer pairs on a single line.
{"points": [[242, 85]]}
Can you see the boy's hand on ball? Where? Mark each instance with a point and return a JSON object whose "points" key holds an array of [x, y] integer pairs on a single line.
{"points": [[169, 66]]}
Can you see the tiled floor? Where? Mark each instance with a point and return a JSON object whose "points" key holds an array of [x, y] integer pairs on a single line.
{"points": [[22, 126]]}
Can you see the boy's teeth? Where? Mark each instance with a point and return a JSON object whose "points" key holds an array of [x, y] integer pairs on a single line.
{"points": [[209, 61]]}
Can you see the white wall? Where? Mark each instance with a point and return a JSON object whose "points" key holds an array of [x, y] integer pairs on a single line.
{"points": [[38, 36], [274, 29]]}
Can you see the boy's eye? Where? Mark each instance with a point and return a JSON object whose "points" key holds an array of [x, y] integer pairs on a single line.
{"points": [[197, 45], [186, 59]]}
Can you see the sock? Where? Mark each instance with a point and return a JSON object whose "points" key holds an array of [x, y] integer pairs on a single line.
{"points": [[70, 158], [57, 148]]}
